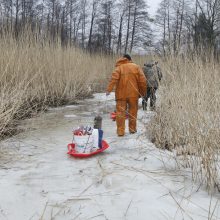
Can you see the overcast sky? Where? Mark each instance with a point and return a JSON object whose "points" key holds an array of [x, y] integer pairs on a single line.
{"points": [[153, 4]]}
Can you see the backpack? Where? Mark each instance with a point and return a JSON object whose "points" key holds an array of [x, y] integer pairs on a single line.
{"points": [[151, 75]]}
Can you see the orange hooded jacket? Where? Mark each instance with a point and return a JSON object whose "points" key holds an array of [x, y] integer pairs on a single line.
{"points": [[129, 80]]}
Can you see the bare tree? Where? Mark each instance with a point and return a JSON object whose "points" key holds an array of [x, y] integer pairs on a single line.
{"points": [[122, 10], [93, 16], [141, 31], [129, 6], [109, 26]]}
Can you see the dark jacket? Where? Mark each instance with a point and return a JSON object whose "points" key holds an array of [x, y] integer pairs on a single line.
{"points": [[151, 75]]}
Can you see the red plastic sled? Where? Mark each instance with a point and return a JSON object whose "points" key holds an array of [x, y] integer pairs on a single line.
{"points": [[72, 152], [113, 116]]}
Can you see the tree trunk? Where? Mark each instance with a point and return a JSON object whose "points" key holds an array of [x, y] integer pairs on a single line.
{"points": [[164, 35], [91, 24], [134, 26], [181, 24], [128, 26], [16, 18], [120, 35]]}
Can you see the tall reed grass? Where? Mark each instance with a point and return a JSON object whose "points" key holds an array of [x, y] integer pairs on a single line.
{"points": [[188, 116], [35, 74]]}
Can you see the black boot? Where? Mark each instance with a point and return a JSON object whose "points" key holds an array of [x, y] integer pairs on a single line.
{"points": [[144, 105]]}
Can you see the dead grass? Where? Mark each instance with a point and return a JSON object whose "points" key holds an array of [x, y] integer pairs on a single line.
{"points": [[188, 118], [35, 74]]}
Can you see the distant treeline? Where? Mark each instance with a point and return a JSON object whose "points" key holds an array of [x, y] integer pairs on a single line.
{"points": [[189, 26], [96, 25], [120, 26]]}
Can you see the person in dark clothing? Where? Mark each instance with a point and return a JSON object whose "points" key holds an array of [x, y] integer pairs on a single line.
{"points": [[153, 76]]}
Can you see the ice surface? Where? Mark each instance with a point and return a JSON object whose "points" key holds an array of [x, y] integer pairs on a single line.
{"points": [[132, 180]]}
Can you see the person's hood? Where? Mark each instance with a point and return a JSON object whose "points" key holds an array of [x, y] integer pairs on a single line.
{"points": [[122, 61], [150, 65]]}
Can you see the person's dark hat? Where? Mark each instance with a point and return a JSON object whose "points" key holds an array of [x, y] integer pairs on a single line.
{"points": [[127, 56], [149, 64]]}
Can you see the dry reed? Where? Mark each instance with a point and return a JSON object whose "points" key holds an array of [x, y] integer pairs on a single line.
{"points": [[35, 74], [188, 119]]}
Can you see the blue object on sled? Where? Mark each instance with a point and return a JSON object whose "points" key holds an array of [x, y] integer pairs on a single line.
{"points": [[100, 138]]}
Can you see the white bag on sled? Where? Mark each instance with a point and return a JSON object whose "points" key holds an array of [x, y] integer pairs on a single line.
{"points": [[87, 143]]}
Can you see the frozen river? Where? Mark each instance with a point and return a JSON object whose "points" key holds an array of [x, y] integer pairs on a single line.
{"points": [[132, 180]]}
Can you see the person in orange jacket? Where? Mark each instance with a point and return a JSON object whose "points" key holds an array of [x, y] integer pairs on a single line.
{"points": [[131, 84]]}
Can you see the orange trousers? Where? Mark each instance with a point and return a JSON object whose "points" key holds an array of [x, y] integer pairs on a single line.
{"points": [[130, 104]]}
